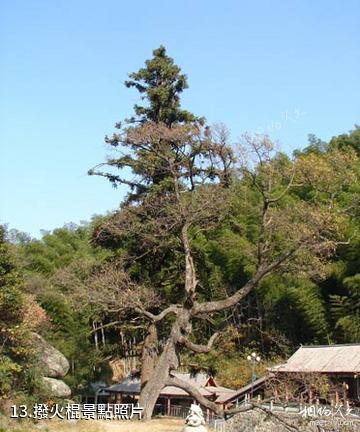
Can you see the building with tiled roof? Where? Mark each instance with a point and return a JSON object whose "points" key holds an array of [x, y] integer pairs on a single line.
{"points": [[340, 364], [128, 391]]}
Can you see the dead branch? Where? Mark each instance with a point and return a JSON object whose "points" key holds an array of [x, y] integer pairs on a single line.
{"points": [[156, 318], [193, 391], [214, 306], [196, 347]]}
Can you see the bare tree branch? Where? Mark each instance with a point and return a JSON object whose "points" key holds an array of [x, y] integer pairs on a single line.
{"points": [[214, 306], [196, 347], [194, 391], [156, 318], [190, 273], [105, 326], [217, 409]]}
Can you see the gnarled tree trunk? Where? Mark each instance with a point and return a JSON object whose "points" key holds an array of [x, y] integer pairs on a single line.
{"points": [[167, 361], [149, 394], [149, 354]]}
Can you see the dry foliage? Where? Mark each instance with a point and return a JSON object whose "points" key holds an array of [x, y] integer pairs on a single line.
{"points": [[301, 387], [34, 316], [113, 287]]}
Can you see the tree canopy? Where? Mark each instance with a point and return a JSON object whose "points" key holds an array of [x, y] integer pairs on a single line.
{"points": [[292, 217]]}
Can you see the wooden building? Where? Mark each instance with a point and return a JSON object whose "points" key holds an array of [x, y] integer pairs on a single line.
{"points": [[172, 400], [340, 364], [250, 391]]}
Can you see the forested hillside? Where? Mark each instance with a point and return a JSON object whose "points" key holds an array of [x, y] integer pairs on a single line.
{"points": [[85, 288]]}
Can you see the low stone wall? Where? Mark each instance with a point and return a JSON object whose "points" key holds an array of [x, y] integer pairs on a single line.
{"points": [[259, 421]]}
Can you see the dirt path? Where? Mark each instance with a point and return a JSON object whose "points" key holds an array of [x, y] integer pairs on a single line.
{"points": [[163, 425], [157, 425]]}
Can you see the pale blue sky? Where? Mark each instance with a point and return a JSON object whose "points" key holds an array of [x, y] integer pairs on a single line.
{"points": [[287, 68]]}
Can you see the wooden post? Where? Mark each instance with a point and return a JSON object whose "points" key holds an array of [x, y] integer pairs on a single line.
{"points": [[168, 408], [286, 393], [346, 388], [276, 394], [337, 399]]}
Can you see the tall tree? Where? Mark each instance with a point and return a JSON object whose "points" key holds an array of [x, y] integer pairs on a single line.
{"points": [[197, 165], [160, 83]]}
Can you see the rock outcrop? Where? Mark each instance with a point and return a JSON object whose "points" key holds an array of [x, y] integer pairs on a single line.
{"points": [[53, 365], [52, 361], [56, 387]]}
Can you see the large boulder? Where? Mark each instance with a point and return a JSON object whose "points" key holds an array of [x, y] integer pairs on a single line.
{"points": [[52, 361], [57, 388]]}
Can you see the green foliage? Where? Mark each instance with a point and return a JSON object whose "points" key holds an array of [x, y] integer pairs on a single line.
{"points": [[346, 141], [11, 301], [8, 370], [288, 301], [70, 333], [346, 310], [17, 359], [160, 83], [316, 146], [59, 249], [55, 269]]}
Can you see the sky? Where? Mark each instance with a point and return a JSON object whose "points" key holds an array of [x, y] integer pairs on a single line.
{"points": [[285, 68]]}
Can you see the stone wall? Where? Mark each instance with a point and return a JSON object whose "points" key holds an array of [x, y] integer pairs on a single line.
{"points": [[259, 421]]}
